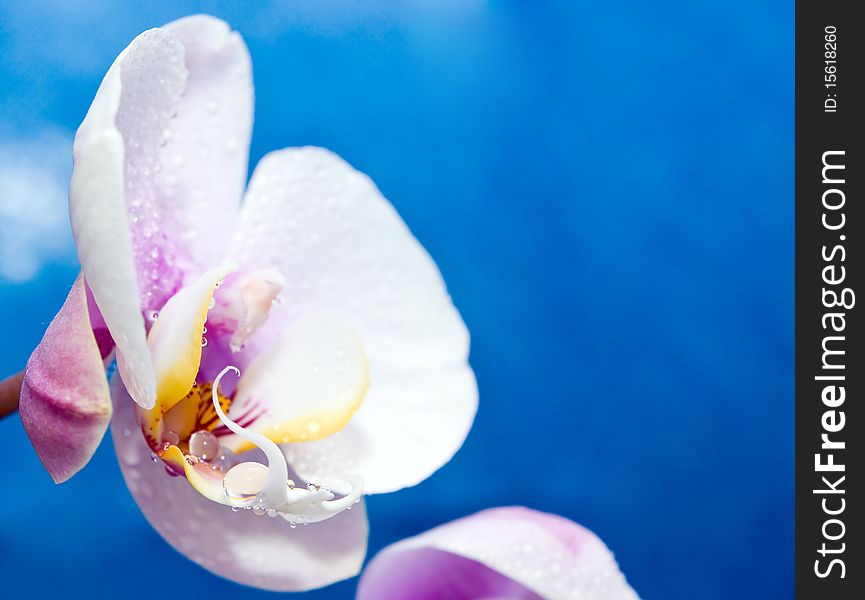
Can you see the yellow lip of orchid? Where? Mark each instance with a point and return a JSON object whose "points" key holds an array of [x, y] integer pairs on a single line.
{"points": [[323, 378], [266, 490], [175, 343]]}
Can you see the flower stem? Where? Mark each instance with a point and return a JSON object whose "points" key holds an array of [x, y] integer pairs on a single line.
{"points": [[10, 391]]}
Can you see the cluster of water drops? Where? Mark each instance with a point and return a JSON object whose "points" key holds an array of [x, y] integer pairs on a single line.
{"points": [[210, 306], [243, 482], [204, 448]]}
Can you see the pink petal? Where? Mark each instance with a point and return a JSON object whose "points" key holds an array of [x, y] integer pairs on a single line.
{"points": [[65, 405], [508, 552], [254, 550]]}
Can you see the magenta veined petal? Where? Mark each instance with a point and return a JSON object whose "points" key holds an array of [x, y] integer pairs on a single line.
{"points": [[511, 552], [65, 404]]}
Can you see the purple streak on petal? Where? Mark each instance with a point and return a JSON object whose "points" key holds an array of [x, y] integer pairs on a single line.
{"points": [[430, 574], [159, 275], [65, 406], [100, 330], [543, 554], [217, 355]]}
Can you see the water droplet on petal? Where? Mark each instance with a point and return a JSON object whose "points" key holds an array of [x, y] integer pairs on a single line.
{"points": [[272, 512], [203, 342], [245, 480], [171, 438], [204, 445]]}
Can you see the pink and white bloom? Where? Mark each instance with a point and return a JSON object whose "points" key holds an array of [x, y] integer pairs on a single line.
{"points": [[510, 553], [352, 360]]}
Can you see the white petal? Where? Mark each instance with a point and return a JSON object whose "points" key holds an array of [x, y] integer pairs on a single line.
{"points": [[253, 550], [307, 386], [206, 152], [165, 139], [98, 214], [345, 252], [497, 552]]}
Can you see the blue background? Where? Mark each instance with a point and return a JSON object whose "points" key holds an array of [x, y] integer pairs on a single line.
{"points": [[607, 188]]}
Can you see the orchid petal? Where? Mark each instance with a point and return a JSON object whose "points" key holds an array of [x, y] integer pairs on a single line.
{"points": [[206, 152], [306, 387], [101, 231], [344, 252], [65, 407], [175, 342], [509, 552], [177, 101], [240, 546]]}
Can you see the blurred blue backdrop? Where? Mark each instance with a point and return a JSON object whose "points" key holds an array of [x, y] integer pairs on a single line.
{"points": [[607, 188]]}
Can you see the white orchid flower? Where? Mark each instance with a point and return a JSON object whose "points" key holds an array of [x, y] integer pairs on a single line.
{"points": [[299, 317]]}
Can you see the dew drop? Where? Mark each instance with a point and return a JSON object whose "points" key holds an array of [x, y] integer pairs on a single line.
{"points": [[212, 304], [245, 480], [258, 510], [204, 445], [292, 524], [272, 512], [131, 456], [203, 341], [171, 438]]}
